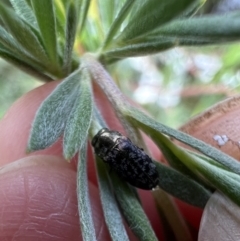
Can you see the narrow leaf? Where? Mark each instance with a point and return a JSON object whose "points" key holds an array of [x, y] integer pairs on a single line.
{"points": [[79, 121], [172, 159], [182, 187], [45, 14], [137, 49], [132, 210], [78, 5], [53, 114], [19, 63], [151, 14], [208, 28], [226, 214], [70, 30], [117, 22], [60, 20], [18, 51], [24, 11], [84, 206], [98, 121], [153, 45], [22, 33], [83, 14], [107, 11], [227, 182], [150, 126], [111, 211]]}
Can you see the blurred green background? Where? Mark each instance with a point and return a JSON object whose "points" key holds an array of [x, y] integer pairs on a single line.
{"points": [[173, 85], [178, 84]]}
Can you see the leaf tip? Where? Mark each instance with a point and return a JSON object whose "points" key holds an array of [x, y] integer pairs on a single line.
{"points": [[67, 155], [29, 149]]}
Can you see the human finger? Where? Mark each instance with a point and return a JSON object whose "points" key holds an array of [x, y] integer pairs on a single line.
{"points": [[38, 201]]}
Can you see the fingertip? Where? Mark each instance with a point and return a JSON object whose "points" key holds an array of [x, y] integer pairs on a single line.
{"points": [[38, 200]]}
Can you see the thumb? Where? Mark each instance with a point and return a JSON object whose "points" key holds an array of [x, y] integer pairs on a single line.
{"points": [[38, 201]]}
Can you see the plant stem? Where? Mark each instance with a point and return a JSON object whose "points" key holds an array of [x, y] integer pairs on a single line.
{"points": [[105, 81]]}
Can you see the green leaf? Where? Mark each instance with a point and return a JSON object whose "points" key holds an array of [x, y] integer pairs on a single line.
{"points": [[151, 14], [132, 210], [172, 159], [84, 206], [183, 32], [102, 77], [83, 14], [151, 126], [92, 30], [194, 9], [19, 63], [97, 121], [215, 29], [111, 211], [207, 159], [53, 114], [60, 21], [60, 10], [45, 14], [77, 126], [181, 186], [24, 11], [225, 181], [108, 10], [117, 22], [70, 29], [137, 49], [22, 33], [150, 45], [18, 51]]}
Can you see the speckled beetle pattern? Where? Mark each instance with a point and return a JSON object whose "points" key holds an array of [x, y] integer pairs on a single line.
{"points": [[129, 161]]}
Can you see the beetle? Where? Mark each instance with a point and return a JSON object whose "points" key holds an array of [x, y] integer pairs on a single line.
{"points": [[129, 161]]}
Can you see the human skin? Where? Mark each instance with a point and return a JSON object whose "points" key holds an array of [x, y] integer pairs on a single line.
{"points": [[38, 198]]}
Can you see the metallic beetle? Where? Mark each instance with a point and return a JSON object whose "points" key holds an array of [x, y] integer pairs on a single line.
{"points": [[129, 161]]}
